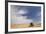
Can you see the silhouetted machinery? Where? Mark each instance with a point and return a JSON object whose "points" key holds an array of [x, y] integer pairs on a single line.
{"points": [[31, 24]]}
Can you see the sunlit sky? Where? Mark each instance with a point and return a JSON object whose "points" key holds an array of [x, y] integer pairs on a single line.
{"points": [[26, 13]]}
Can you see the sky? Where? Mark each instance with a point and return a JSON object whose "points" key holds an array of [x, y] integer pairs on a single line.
{"points": [[25, 14]]}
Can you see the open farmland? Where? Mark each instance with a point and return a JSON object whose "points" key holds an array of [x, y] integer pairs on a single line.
{"points": [[13, 26]]}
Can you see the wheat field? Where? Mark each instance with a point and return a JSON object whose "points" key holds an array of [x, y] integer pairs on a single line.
{"points": [[13, 26]]}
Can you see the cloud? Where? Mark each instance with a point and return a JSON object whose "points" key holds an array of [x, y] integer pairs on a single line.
{"points": [[19, 19], [21, 12], [23, 21]]}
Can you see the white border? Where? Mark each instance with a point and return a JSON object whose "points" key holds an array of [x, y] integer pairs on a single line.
{"points": [[24, 29]]}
